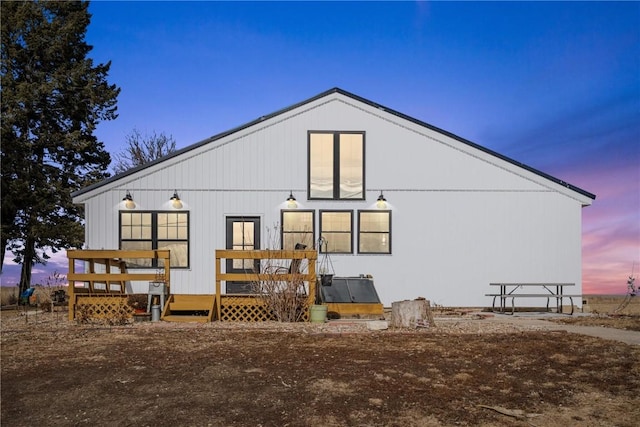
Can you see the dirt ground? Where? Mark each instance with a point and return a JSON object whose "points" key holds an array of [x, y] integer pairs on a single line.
{"points": [[464, 371]]}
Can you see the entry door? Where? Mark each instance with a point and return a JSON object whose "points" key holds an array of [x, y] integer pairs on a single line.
{"points": [[243, 233]]}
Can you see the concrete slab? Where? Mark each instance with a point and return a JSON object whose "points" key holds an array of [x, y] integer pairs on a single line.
{"points": [[377, 325], [541, 321]]}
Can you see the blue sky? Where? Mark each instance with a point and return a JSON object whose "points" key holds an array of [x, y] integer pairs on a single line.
{"points": [[554, 85]]}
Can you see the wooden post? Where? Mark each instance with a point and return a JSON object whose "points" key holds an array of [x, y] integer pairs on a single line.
{"points": [[70, 289], [411, 314], [312, 282], [218, 288]]}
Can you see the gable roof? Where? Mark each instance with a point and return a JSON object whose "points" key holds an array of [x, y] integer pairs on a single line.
{"points": [[312, 99]]}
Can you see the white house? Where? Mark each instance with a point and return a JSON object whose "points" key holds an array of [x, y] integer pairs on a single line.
{"points": [[457, 216]]}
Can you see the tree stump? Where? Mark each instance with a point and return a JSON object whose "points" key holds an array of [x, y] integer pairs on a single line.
{"points": [[411, 314]]}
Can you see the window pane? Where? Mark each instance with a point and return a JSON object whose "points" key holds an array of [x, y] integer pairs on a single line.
{"points": [[183, 233], [173, 225], [321, 165], [237, 235], [374, 221], [136, 233], [297, 221], [375, 243], [182, 219], [133, 246], [145, 225], [351, 166], [179, 253], [125, 229], [162, 226], [248, 235], [337, 242], [289, 240], [336, 221], [243, 263]]}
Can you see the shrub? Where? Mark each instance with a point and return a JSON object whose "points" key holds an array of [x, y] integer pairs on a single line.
{"points": [[138, 301], [46, 306], [283, 291], [287, 300]]}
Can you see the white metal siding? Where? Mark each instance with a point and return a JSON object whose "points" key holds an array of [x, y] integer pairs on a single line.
{"points": [[461, 217]]}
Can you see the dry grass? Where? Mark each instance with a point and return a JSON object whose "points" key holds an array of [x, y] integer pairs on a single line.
{"points": [[9, 295], [42, 294]]}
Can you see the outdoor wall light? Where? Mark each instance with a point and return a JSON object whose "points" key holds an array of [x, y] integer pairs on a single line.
{"points": [[291, 201], [175, 200], [128, 201], [382, 202]]}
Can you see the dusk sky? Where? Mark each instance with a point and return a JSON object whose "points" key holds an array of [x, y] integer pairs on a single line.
{"points": [[553, 85]]}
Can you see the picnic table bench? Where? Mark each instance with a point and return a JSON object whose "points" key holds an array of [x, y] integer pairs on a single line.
{"points": [[548, 291]]}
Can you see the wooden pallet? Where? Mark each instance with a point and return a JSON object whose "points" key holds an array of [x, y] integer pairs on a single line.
{"points": [[189, 308]]}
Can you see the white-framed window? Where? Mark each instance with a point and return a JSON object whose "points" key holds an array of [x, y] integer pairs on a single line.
{"points": [[336, 165]]}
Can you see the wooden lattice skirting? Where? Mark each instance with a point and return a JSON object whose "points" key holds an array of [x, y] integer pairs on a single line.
{"points": [[102, 307], [244, 309], [247, 309]]}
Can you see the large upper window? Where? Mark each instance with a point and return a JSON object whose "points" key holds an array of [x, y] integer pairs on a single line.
{"points": [[155, 230], [336, 165], [374, 232], [297, 227], [336, 231]]}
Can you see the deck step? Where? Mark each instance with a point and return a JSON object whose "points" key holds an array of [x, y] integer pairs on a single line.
{"points": [[193, 319], [188, 306], [200, 308]]}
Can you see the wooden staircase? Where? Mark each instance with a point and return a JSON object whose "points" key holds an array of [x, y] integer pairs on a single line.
{"points": [[189, 308]]}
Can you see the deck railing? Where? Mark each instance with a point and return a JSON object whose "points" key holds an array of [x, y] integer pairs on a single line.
{"points": [[107, 269], [282, 275]]}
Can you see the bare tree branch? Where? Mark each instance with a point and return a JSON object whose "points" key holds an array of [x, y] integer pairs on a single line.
{"points": [[142, 149]]}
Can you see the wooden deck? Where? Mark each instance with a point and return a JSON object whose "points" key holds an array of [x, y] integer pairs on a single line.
{"points": [[247, 307], [104, 276], [98, 280]]}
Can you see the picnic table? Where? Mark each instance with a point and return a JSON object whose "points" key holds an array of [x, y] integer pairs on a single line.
{"points": [[522, 290]]}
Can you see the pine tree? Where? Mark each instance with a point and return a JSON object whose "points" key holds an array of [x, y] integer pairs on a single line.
{"points": [[53, 96]]}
